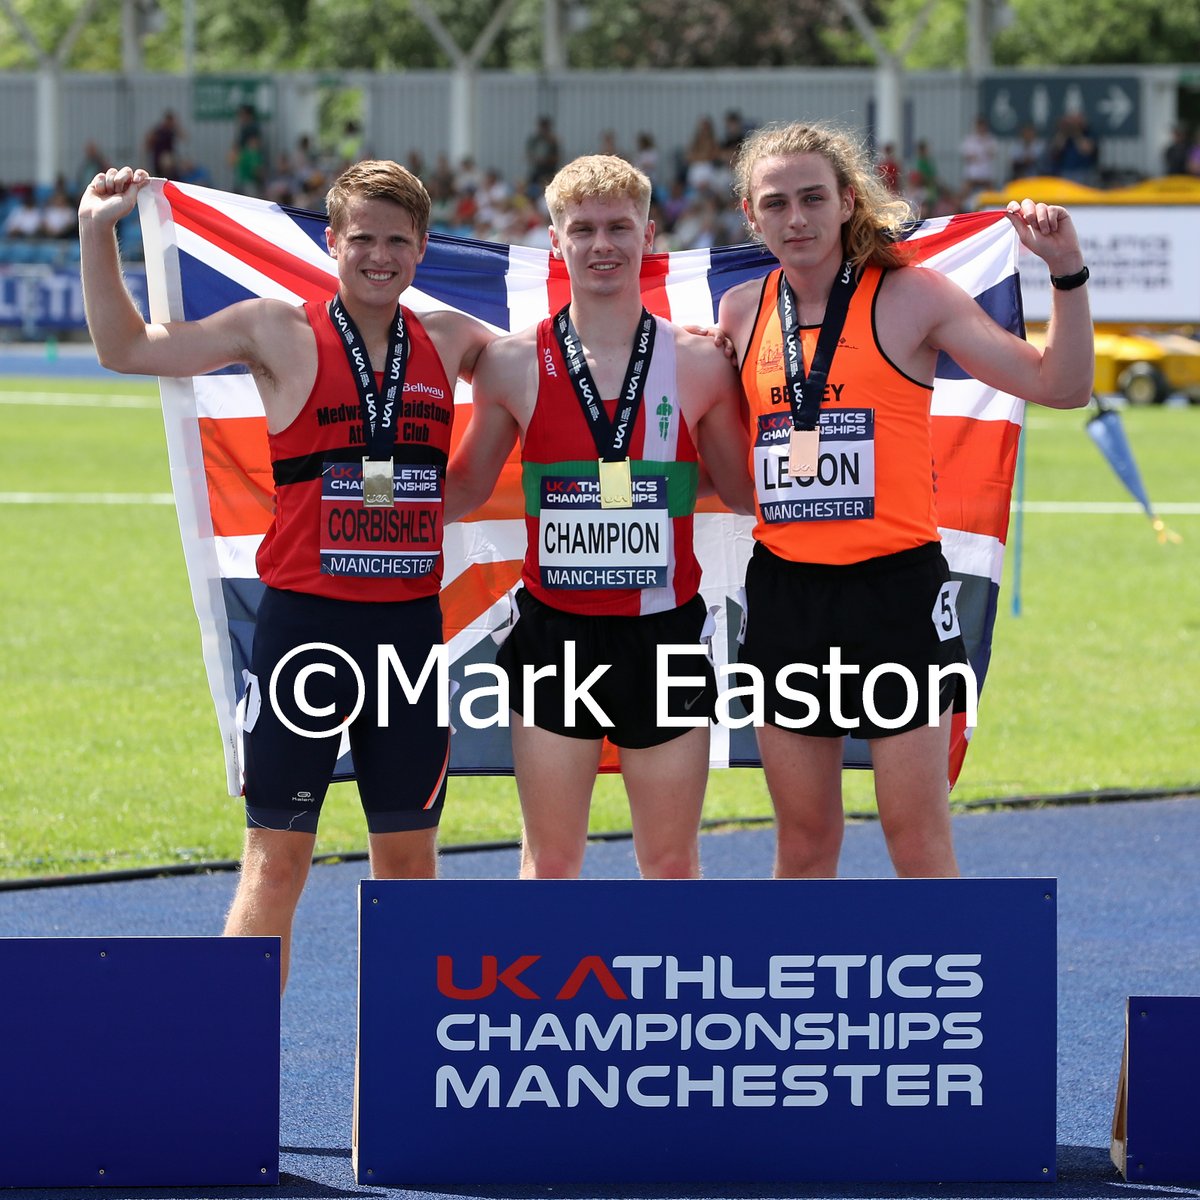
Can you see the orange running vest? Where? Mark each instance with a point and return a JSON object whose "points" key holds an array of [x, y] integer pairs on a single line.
{"points": [[873, 492]]}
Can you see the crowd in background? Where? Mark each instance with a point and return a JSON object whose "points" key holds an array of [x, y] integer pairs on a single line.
{"points": [[693, 206]]}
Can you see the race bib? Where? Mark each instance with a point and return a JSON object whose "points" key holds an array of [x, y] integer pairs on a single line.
{"points": [[581, 545], [843, 487], [403, 541]]}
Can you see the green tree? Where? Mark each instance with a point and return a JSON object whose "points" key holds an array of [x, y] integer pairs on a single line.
{"points": [[387, 35]]}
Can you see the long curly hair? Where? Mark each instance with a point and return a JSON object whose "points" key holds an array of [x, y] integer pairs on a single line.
{"points": [[869, 236]]}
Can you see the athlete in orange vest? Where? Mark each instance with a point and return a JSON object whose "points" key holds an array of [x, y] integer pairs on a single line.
{"points": [[611, 404], [353, 557], [838, 349]]}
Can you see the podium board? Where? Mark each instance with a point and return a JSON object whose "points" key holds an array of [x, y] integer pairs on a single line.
{"points": [[139, 1062], [631, 1031], [1156, 1121]]}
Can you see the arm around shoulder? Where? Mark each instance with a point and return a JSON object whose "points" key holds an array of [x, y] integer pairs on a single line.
{"points": [[501, 379], [713, 402]]}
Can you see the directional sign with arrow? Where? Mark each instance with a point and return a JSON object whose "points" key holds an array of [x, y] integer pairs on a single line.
{"points": [[1111, 104]]}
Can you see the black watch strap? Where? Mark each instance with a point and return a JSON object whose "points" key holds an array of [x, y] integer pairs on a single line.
{"points": [[1065, 283]]}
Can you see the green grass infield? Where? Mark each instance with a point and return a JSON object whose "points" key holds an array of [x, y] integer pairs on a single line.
{"points": [[111, 758]]}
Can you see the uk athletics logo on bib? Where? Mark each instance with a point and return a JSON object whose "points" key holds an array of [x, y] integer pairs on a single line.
{"points": [[399, 541], [843, 488], [581, 545]]}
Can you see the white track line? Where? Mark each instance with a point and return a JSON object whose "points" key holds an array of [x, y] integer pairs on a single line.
{"points": [[86, 498], [1104, 507], [78, 400]]}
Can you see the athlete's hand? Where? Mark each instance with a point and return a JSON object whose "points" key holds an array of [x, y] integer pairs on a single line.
{"points": [[1048, 231], [721, 339], [111, 195]]}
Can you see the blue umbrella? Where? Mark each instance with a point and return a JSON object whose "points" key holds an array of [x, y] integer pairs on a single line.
{"points": [[1105, 429]]}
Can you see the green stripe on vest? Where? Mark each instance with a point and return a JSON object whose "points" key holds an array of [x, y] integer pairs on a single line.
{"points": [[682, 481]]}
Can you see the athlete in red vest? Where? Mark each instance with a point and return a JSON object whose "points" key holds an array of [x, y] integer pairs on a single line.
{"points": [[838, 350], [612, 405], [358, 396]]}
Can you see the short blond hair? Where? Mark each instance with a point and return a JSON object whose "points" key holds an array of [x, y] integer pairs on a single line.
{"points": [[604, 175], [378, 179], [878, 217]]}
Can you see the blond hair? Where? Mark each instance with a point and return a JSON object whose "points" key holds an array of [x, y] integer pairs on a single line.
{"points": [[869, 236], [378, 179], [603, 175]]}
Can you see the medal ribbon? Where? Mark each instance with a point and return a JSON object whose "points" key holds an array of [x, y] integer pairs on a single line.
{"points": [[378, 414], [611, 437], [804, 392]]}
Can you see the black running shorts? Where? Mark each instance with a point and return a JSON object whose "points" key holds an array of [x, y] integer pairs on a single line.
{"points": [[400, 755], [892, 615], [627, 691]]}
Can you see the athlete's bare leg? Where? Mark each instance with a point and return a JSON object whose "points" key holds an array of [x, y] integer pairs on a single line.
{"points": [[912, 792], [666, 794], [275, 864], [804, 777], [555, 777], [409, 854]]}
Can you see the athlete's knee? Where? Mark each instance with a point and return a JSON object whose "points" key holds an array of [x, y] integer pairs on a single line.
{"points": [[404, 854], [278, 866], [670, 862], [808, 847], [551, 862]]}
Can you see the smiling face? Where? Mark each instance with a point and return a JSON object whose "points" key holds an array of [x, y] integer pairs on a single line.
{"points": [[797, 208], [377, 247], [601, 240]]}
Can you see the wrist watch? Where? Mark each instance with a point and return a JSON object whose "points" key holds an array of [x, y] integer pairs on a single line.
{"points": [[1064, 283]]}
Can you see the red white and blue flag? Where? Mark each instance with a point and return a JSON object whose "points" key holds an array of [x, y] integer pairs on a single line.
{"points": [[206, 249]]}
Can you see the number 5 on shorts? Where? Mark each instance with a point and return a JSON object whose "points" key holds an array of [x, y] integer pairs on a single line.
{"points": [[945, 612]]}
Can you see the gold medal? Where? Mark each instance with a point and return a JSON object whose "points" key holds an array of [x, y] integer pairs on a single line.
{"points": [[803, 448], [379, 489], [616, 484]]}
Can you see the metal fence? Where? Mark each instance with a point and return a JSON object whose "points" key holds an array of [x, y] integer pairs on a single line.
{"points": [[410, 111]]}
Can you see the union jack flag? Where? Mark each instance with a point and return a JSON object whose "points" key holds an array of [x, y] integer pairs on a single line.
{"points": [[207, 249]]}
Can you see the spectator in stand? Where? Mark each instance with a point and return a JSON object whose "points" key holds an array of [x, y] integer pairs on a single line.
{"points": [[706, 165], [1029, 154], [608, 144], [162, 145], [1074, 154], [1192, 166], [923, 180], [245, 127], [250, 168], [60, 217], [282, 185], [1175, 155], [24, 221], [191, 171], [350, 147], [468, 177], [542, 154], [645, 158], [978, 151], [735, 130], [888, 169], [699, 227], [443, 174], [674, 204], [307, 166], [92, 163]]}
